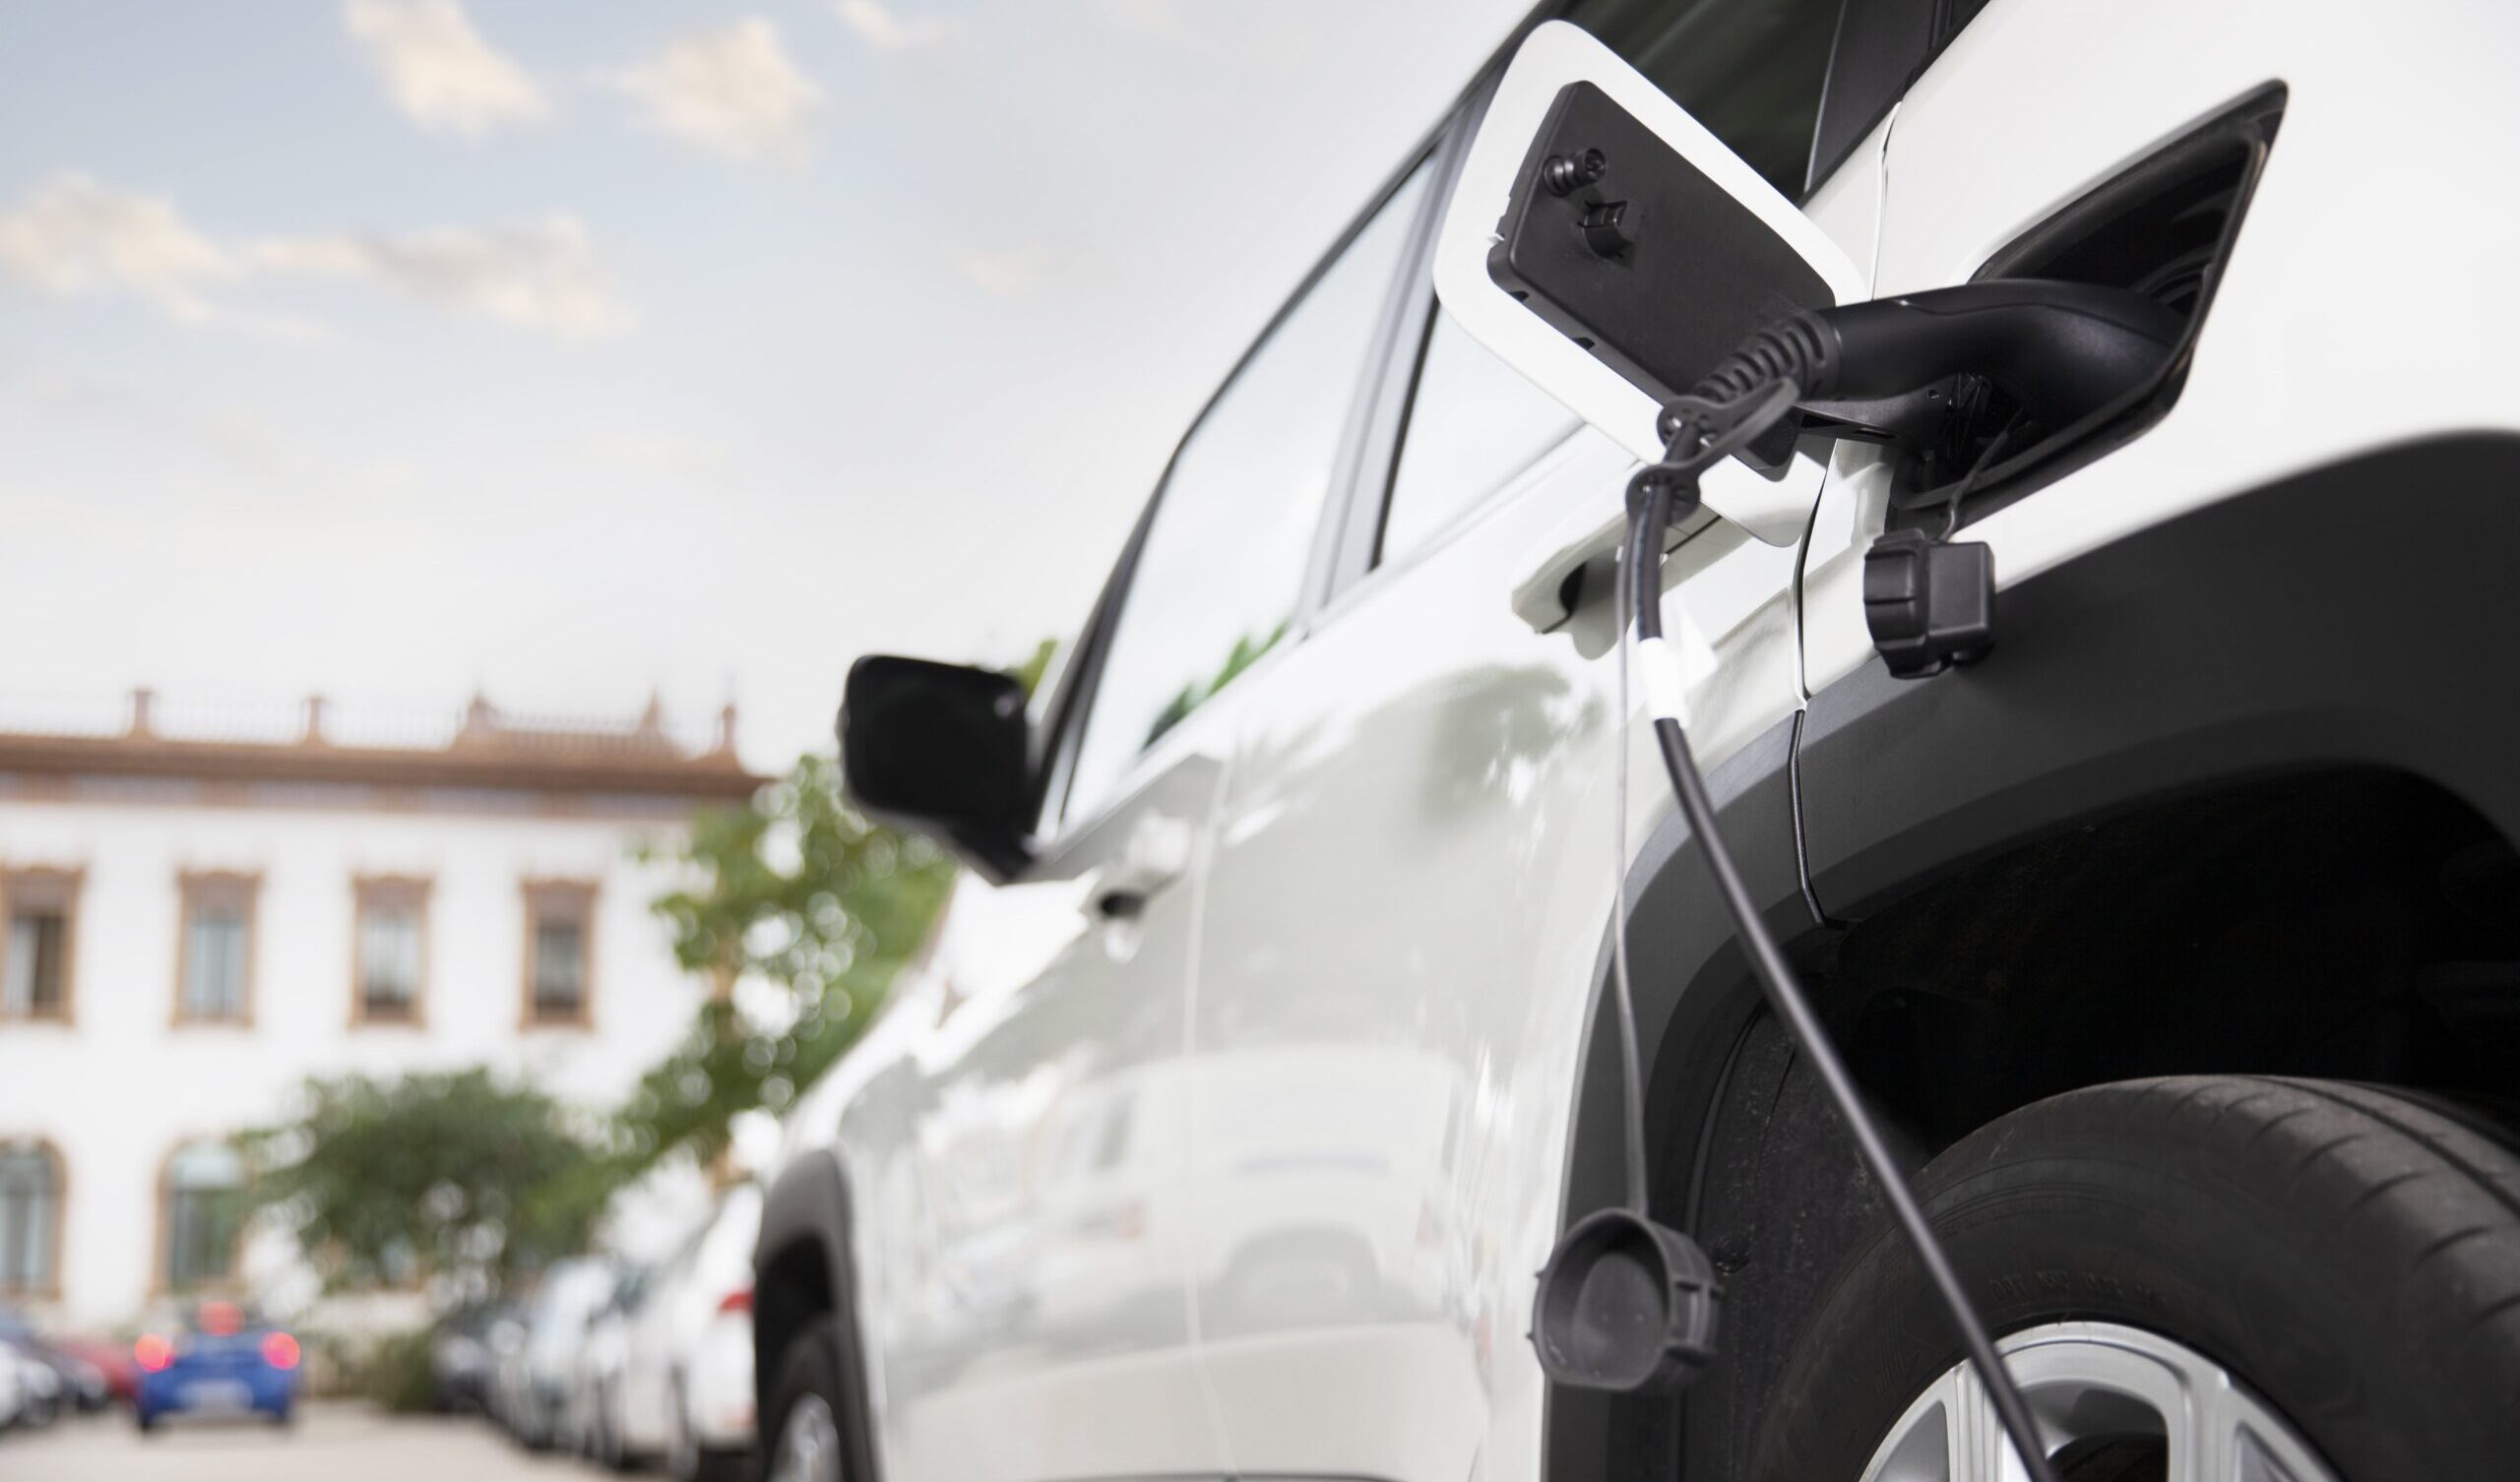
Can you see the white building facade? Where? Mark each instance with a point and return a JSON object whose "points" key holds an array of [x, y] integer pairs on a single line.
{"points": [[191, 925]]}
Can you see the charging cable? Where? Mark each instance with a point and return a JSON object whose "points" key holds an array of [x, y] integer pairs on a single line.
{"points": [[1701, 432]]}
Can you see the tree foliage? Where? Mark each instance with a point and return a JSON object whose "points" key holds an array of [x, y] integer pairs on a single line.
{"points": [[434, 1175], [794, 899], [812, 907]]}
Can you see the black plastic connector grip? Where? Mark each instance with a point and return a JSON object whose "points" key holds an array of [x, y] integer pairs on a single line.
{"points": [[2063, 348], [1929, 605]]}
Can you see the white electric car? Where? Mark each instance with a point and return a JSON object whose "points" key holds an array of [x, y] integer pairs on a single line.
{"points": [[1266, 1054]]}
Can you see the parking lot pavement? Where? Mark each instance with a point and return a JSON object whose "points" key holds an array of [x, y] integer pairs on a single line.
{"points": [[330, 1443]]}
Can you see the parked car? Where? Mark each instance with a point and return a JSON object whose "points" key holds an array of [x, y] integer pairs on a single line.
{"points": [[503, 1339], [2176, 939], [462, 1367], [81, 1384], [110, 1360], [685, 1392], [536, 1369], [45, 1398], [222, 1363], [13, 1391], [68, 1381], [594, 1425]]}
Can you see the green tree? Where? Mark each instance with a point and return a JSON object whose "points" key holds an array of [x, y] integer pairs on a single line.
{"points": [[797, 892], [448, 1174]]}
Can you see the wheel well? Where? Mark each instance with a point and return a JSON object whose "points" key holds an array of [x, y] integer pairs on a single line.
{"points": [[792, 1291], [2355, 923], [2350, 923]]}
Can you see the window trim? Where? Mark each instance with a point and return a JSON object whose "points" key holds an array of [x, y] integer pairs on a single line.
{"points": [[161, 1274], [50, 1288], [195, 887], [544, 896], [1369, 501], [369, 892], [64, 886]]}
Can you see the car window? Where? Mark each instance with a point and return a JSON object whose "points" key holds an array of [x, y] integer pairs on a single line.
{"points": [[1474, 422], [1223, 564], [1751, 71]]}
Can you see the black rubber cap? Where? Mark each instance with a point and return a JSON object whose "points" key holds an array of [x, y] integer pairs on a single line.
{"points": [[1624, 1304]]}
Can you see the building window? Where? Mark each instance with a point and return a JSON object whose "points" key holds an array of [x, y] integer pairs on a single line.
{"points": [[559, 952], [37, 912], [390, 964], [204, 1202], [30, 1219], [215, 976]]}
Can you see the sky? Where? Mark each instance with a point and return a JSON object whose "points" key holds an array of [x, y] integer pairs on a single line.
{"points": [[395, 349]]}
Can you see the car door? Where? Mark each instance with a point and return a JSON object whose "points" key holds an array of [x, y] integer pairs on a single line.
{"points": [[1034, 1256], [1405, 912]]}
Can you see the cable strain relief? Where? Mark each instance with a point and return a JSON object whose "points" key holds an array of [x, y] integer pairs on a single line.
{"points": [[1803, 349]]}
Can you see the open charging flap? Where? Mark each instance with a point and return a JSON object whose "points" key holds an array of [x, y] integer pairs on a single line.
{"points": [[1607, 246]]}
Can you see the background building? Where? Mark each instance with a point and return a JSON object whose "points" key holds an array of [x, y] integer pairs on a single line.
{"points": [[199, 910]]}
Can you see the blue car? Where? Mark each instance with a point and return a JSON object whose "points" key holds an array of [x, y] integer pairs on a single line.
{"points": [[223, 1365]]}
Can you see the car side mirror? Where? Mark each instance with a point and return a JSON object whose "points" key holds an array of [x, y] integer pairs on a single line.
{"points": [[943, 750], [1604, 243]]}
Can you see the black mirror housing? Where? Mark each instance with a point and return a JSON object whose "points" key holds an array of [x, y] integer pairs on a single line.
{"points": [[944, 749]]}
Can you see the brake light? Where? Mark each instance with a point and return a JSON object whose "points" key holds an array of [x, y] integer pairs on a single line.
{"points": [[280, 1350], [151, 1353], [220, 1319], [738, 1300]]}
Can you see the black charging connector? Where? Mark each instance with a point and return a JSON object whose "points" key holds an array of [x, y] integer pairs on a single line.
{"points": [[1605, 222], [1618, 1306]]}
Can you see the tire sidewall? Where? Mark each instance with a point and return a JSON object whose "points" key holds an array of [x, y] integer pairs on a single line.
{"points": [[2114, 1208], [810, 1366]]}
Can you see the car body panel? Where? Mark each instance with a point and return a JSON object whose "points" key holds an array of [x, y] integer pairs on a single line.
{"points": [[1416, 839], [2309, 354], [1020, 1326], [218, 1376]]}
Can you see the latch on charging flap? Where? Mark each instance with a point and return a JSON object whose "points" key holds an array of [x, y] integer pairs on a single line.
{"points": [[1928, 604]]}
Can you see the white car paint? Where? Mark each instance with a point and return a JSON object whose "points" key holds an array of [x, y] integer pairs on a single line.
{"points": [[1352, 1028]]}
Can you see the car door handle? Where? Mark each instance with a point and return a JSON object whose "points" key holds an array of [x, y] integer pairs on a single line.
{"points": [[1157, 854]]}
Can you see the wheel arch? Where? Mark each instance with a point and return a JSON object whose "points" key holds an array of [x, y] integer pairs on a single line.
{"points": [[802, 1271], [2187, 663]]}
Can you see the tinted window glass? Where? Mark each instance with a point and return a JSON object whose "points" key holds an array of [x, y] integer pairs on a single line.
{"points": [[1751, 70], [1223, 565], [1474, 423]]}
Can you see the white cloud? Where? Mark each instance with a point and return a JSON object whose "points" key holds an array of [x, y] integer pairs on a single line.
{"points": [[884, 30], [73, 236], [732, 91], [545, 275], [439, 70], [654, 451], [999, 272]]}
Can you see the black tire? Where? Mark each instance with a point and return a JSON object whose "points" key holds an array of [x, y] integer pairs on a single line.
{"points": [[810, 1366], [2351, 1256]]}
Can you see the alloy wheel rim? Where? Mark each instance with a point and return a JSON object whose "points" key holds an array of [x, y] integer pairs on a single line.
{"points": [[808, 1444], [2094, 1386]]}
